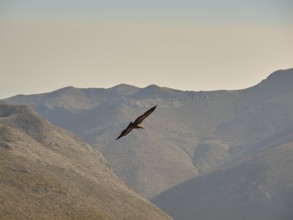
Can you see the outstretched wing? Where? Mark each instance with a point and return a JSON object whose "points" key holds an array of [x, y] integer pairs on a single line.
{"points": [[144, 115], [126, 130]]}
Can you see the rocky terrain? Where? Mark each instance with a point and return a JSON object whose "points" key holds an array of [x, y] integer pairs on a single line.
{"points": [[48, 173], [190, 138]]}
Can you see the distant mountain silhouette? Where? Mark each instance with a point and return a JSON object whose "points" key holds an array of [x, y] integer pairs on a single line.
{"points": [[191, 134], [48, 173]]}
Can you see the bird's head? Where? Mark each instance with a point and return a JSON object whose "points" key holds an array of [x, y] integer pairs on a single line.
{"points": [[139, 126]]}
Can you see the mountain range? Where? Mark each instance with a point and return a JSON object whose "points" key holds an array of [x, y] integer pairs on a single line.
{"points": [[191, 137], [48, 173]]}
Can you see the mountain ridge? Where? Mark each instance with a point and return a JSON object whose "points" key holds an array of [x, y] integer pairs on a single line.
{"points": [[259, 186], [190, 133], [48, 173]]}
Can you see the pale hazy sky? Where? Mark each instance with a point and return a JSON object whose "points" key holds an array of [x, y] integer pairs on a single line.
{"points": [[182, 44]]}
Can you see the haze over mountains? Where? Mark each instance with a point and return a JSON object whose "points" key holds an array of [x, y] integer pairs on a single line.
{"points": [[259, 186], [239, 141], [48, 173]]}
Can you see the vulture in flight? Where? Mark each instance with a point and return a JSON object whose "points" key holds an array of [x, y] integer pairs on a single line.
{"points": [[136, 123]]}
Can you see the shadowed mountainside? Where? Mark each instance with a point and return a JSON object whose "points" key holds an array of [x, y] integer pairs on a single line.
{"points": [[190, 133], [48, 173], [259, 186]]}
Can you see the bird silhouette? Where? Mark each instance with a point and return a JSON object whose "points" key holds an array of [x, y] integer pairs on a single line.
{"points": [[136, 123]]}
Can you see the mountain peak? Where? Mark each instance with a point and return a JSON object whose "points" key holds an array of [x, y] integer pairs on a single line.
{"points": [[279, 82], [281, 75], [124, 89], [155, 90], [152, 86], [69, 90]]}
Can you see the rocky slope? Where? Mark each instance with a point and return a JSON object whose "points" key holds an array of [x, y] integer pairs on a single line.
{"points": [[48, 173]]}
